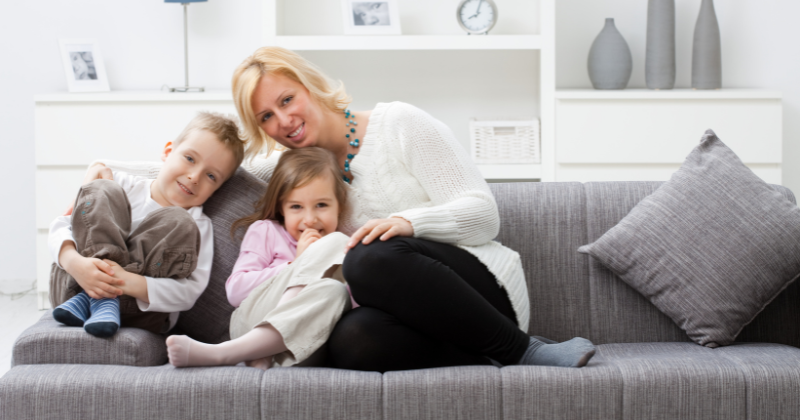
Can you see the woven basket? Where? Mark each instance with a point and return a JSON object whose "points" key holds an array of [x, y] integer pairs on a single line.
{"points": [[505, 141]]}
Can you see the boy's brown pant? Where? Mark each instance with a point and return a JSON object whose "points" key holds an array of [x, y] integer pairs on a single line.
{"points": [[165, 244]]}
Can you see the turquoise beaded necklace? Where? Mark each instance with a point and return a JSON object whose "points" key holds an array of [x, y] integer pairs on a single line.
{"points": [[351, 119]]}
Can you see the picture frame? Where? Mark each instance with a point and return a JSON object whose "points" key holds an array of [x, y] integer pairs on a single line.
{"points": [[83, 65], [371, 17]]}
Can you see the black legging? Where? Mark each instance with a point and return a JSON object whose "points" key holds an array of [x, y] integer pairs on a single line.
{"points": [[424, 304]]}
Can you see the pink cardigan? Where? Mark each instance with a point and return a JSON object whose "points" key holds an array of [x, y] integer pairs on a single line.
{"points": [[267, 248]]}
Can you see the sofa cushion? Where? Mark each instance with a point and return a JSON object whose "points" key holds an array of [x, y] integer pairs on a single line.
{"points": [[319, 393], [125, 392], [545, 222], [710, 248], [209, 319], [464, 392], [50, 342]]}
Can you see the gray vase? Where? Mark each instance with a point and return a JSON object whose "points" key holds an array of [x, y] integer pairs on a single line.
{"points": [[610, 61], [706, 50], [659, 65]]}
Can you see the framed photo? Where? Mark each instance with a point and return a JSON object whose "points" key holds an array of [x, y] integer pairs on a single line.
{"points": [[371, 17], [83, 65]]}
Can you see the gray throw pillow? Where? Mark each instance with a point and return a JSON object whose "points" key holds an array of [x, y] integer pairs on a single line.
{"points": [[209, 319], [710, 248]]}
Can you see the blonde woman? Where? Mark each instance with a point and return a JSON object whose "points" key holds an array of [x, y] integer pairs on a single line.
{"points": [[434, 289]]}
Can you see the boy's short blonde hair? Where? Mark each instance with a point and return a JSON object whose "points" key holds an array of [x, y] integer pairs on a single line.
{"points": [[276, 60], [224, 127]]}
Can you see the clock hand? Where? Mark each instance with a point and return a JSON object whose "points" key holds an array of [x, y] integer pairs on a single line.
{"points": [[477, 12]]}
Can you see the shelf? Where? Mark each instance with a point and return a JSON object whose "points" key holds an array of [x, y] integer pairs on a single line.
{"points": [[409, 42], [667, 94], [511, 171], [135, 96]]}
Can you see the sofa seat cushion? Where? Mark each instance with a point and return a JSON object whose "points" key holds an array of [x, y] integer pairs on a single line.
{"points": [[117, 392], [661, 381], [711, 248], [463, 392], [684, 380], [49, 342], [321, 393]]}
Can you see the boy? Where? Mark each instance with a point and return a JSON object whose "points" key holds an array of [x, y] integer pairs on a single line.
{"points": [[138, 251]]}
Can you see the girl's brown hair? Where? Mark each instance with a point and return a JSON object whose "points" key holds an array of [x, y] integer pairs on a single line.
{"points": [[295, 169]]}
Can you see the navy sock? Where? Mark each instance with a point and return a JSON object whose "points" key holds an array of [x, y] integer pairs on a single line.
{"points": [[73, 312], [105, 318]]}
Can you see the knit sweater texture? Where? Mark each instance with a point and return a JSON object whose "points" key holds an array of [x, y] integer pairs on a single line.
{"points": [[411, 165]]}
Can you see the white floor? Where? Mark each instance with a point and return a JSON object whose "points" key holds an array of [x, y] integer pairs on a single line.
{"points": [[17, 311]]}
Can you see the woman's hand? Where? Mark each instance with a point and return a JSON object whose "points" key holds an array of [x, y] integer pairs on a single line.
{"points": [[383, 228], [96, 171], [308, 237]]}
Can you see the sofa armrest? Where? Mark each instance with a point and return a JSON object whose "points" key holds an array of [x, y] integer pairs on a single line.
{"points": [[50, 342]]}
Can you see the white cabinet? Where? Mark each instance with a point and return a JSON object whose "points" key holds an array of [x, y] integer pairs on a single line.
{"points": [[638, 134]]}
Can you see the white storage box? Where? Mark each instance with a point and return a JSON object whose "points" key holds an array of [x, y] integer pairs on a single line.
{"points": [[505, 141]]}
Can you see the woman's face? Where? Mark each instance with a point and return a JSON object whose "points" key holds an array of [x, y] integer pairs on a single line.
{"points": [[286, 111]]}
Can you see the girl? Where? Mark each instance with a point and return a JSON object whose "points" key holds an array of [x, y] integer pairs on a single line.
{"points": [[286, 284]]}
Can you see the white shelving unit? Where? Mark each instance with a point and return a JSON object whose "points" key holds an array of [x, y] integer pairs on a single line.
{"points": [[501, 49], [644, 135]]}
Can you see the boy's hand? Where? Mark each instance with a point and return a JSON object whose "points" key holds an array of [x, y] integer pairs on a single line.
{"points": [[308, 237], [94, 276], [96, 171], [133, 284]]}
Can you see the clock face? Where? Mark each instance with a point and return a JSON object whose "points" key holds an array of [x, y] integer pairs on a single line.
{"points": [[477, 15]]}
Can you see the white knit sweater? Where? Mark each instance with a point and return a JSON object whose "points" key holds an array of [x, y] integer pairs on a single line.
{"points": [[410, 165]]}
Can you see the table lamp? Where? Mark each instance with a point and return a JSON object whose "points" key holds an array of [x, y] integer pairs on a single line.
{"points": [[186, 87]]}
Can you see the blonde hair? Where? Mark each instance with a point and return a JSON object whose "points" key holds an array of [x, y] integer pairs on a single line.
{"points": [[295, 169], [224, 127], [276, 60]]}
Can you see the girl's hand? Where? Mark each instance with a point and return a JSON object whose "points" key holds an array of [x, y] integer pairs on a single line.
{"points": [[96, 171], [383, 228], [308, 237]]}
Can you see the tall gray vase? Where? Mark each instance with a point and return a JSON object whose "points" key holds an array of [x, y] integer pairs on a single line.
{"points": [[706, 50], [659, 64], [610, 61]]}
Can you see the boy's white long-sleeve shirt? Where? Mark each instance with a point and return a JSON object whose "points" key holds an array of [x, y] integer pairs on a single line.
{"points": [[166, 295]]}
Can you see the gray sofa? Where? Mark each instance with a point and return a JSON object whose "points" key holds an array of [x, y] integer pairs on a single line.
{"points": [[645, 367]]}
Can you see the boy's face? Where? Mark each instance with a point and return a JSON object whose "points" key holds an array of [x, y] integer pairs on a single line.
{"points": [[192, 171]]}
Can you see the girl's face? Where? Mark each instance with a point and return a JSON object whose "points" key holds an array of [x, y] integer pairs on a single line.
{"points": [[312, 206], [286, 111]]}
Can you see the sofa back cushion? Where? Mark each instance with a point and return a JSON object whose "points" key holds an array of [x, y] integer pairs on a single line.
{"points": [[209, 318], [573, 295]]}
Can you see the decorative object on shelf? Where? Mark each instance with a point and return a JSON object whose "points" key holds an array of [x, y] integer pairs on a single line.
{"points": [[371, 17], [185, 87], [83, 65], [706, 49], [610, 62], [476, 16], [659, 64], [508, 140]]}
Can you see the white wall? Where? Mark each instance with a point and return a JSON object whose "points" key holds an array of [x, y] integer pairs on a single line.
{"points": [[142, 45]]}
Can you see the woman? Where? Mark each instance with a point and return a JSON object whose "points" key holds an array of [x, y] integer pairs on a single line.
{"points": [[434, 289]]}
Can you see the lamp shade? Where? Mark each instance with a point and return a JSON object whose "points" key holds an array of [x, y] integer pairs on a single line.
{"points": [[184, 1]]}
